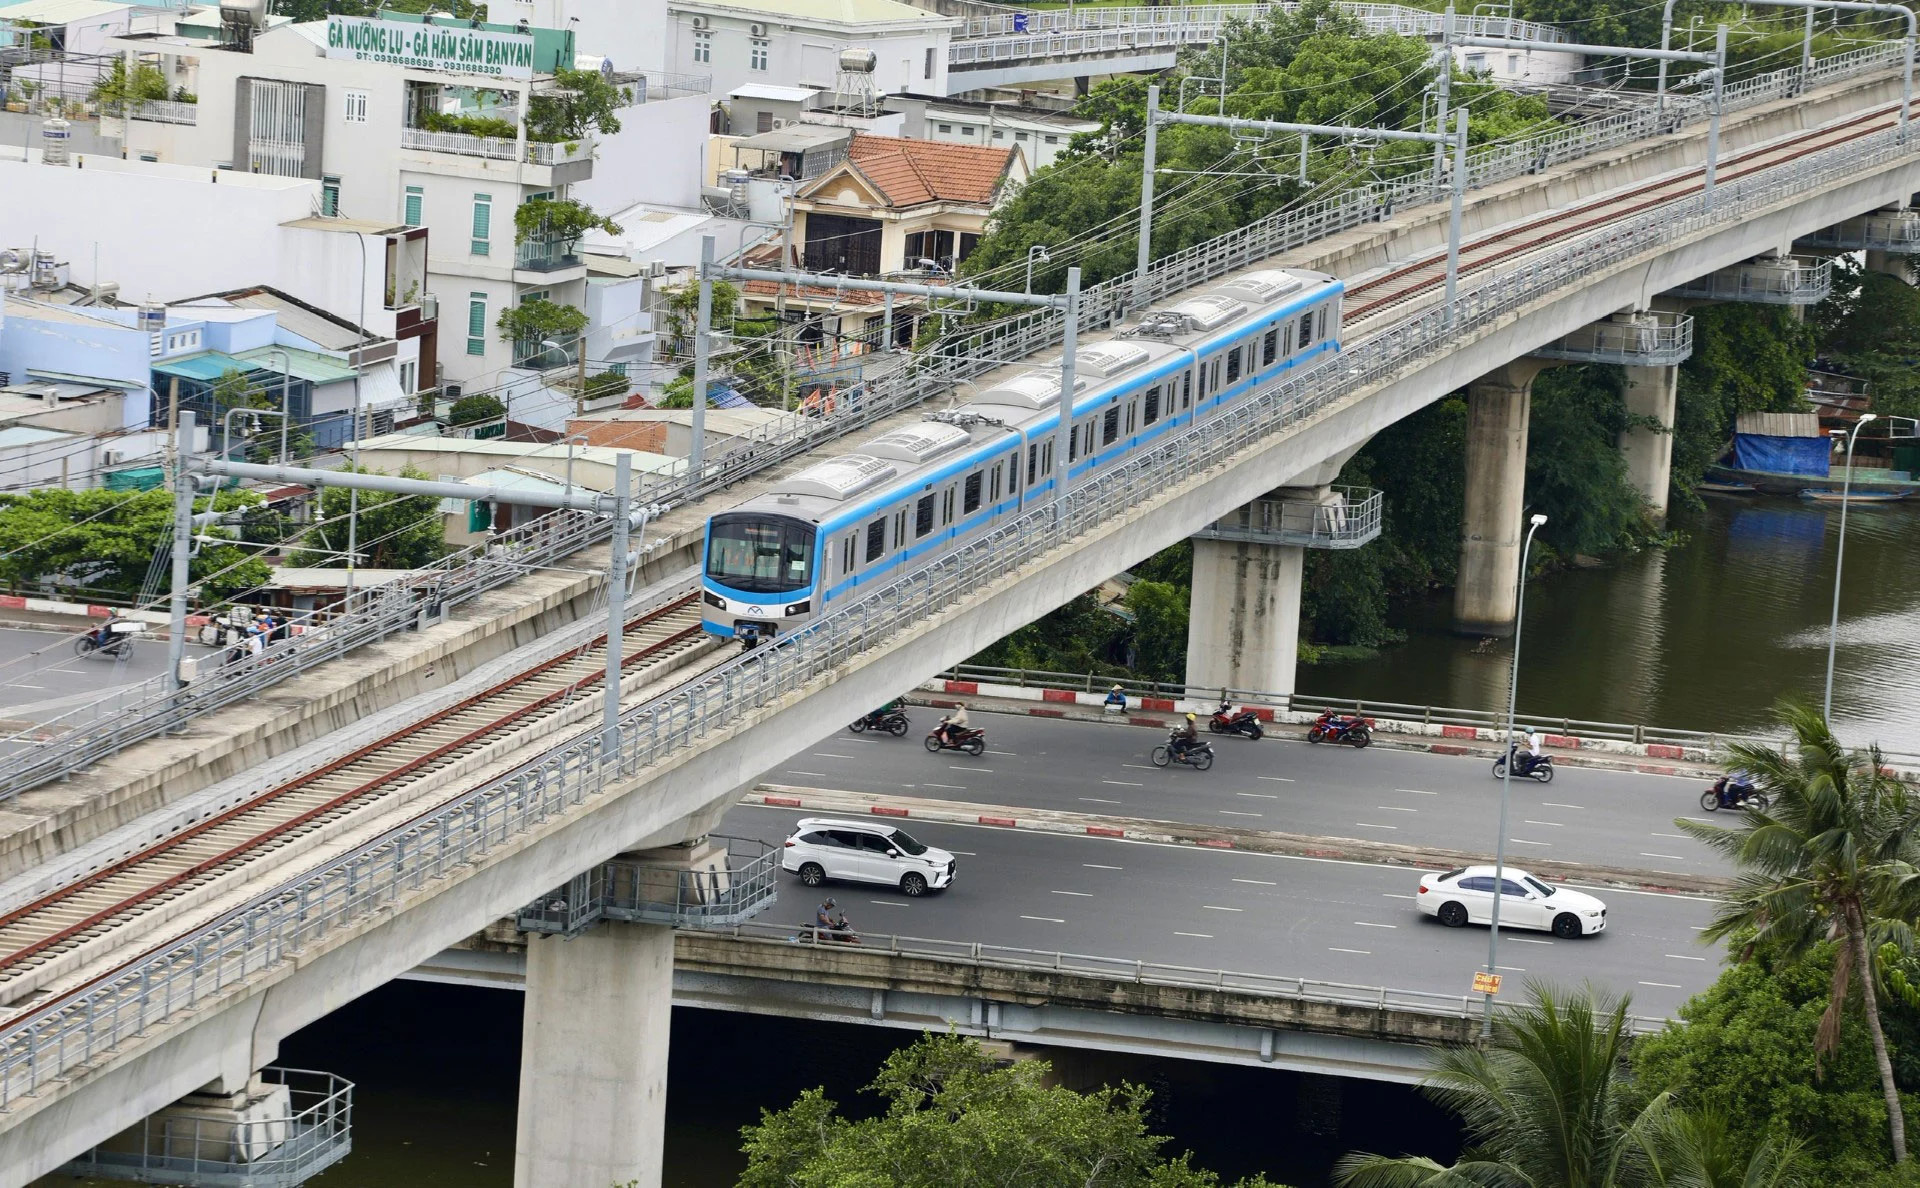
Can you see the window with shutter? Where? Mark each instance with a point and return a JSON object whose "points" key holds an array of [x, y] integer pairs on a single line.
{"points": [[477, 324], [416, 197], [482, 222]]}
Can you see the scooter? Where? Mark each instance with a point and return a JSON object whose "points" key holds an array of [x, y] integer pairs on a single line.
{"points": [[837, 933], [1198, 755], [1245, 722], [1745, 796], [1332, 727], [119, 641], [894, 722], [1539, 767], [973, 742]]}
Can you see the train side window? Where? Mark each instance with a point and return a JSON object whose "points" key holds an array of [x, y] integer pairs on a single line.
{"points": [[1269, 344], [1306, 330], [1206, 379], [1286, 339], [970, 501], [1046, 458], [995, 484], [1033, 462], [1073, 445], [1110, 426], [1323, 321], [899, 528], [1150, 406], [1186, 389], [1233, 364], [923, 517], [1129, 419], [846, 553], [876, 538], [946, 507]]}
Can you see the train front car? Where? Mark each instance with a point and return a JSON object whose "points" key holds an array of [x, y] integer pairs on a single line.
{"points": [[758, 575]]}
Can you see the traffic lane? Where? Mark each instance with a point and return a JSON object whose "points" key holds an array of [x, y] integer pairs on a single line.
{"points": [[39, 665], [1589, 815], [1251, 913]]}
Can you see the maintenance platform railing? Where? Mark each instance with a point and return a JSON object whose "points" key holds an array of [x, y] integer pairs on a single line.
{"points": [[1880, 231], [1207, 20], [676, 895], [957, 356], [1774, 280], [1347, 521], [1648, 339]]}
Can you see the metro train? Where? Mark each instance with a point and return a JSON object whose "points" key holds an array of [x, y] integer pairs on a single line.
{"points": [[777, 560]]}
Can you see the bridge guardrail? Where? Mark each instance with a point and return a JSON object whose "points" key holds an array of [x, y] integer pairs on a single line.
{"points": [[1378, 18], [970, 351], [67, 1033], [976, 955]]}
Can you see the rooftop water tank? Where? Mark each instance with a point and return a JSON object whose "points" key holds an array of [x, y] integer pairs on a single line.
{"points": [[54, 135]]}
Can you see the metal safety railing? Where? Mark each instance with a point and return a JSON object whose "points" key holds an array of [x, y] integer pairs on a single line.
{"points": [[260, 938], [699, 893], [1883, 230], [972, 350], [284, 1148], [1207, 20], [1774, 280], [1346, 521], [165, 111], [1649, 339], [976, 955]]}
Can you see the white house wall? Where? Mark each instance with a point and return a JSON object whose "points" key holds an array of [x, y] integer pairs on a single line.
{"points": [[909, 59], [657, 157]]}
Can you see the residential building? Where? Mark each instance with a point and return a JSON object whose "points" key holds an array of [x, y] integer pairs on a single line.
{"points": [[1041, 136], [798, 43], [669, 431]]}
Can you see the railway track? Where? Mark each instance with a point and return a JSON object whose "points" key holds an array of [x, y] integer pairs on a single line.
{"points": [[1369, 297], [35, 936]]}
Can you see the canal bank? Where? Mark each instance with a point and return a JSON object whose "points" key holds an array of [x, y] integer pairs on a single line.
{"points": [[1708, 635]]}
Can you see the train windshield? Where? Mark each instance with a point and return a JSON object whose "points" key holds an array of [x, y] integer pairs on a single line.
{"points": [[760, 554]]}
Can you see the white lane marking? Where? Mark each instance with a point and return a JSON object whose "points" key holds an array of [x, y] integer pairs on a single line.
{"points": [[1197, 935], [1258, 882], [1139, 767], [1369, 825], [1557, 804], [969, 767], [829, 755], [1554, 824], [1045, 919], [1076, 894], [1123, 783], [1521, 841], [1388, 808], [1216, 908], [1684, 957], [1361, 952], [1391, 895], [23, 685], [1702, 820], [1679, 836], [1699, 927], [1275, 779], [1674, 857], [1097, 800], [1417, 791], [1100, 866], [1511, 968], [1258, 795], [964, 853], [1008, 754], [1233, 813], [818, 775], [887, 902], [949, 787], [1366, 924], [1662, 985], [1527, 940]]}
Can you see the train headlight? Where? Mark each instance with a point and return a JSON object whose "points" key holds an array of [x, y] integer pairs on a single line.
{"points": [[800, 608], [713, 599]]}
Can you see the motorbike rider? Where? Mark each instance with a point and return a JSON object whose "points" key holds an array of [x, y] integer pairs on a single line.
{"points": [[823, 918], [1733, 788], [1529, 751], [102, 635], [953, 726], [875, 717], [1184, 736]]}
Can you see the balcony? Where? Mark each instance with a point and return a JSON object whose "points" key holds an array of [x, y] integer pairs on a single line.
{"points": [[716, 883], [1640, 340], [542, 253], [494, 148], [540, 355], [165, 111], [1348, 521]]}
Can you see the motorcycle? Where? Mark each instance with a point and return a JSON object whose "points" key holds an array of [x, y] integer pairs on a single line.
{"points": [[1745, 796], [1198, 755], [973, 742], [1539, 767], [1332, 727], [837, 933], [1245, 722], [894, 722], [118, 644]]}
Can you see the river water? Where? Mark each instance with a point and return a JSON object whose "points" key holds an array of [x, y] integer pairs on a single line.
{"points": [[1707, 636]]}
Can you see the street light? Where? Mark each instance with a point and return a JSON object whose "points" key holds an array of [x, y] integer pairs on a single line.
{"points": [[1506, 772], [1839, 555], [1040, 251]]}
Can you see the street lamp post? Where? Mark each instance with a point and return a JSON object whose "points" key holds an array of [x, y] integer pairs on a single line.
{"points": [[1035, 251], [1506, 773], [1839, 556]]}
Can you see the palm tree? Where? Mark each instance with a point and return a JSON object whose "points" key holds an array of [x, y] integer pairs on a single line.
{"points": [[1831, 858], [1547, 1105]]}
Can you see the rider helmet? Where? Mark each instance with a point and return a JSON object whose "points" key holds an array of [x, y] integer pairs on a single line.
{"points": [[1191, 718], [829, 903]]}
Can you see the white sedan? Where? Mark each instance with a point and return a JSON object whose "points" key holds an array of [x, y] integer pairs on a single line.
{"points": [[1465, 896]]}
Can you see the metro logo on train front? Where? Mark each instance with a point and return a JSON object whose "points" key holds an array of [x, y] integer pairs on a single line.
{"points": [[775, 561]]}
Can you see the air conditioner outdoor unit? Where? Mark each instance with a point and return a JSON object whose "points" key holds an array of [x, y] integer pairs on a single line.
{"points": [[429, 307], [699, 22], [452, 392], [112, 457], [759, 30]]}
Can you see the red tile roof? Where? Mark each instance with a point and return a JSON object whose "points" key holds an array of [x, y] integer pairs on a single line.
{"points": [[815, 293], [911, 172]]}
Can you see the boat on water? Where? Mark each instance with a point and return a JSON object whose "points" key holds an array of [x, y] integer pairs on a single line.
{"points": [[1828, 495], [1725, 487]]}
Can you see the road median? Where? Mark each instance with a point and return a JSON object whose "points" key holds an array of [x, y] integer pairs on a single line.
{"points": [[1260, 841]]}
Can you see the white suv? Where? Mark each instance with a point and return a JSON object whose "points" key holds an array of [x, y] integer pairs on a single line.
{"points": [[865, 852]]}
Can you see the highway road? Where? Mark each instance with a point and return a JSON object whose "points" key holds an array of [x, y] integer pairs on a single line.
{"points": [[39, 686], [1254, 913], [1590, 815]]}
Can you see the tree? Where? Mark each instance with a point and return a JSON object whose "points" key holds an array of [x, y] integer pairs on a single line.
{"points": [[955, 1119], [394, 532], [469, 410], [531, 323], [1549, 1105], [561, 219], [1575, 472], [1159, 629], [108, 541], [580, 100], [118, 87], [1746, 358], [1831, 857]]}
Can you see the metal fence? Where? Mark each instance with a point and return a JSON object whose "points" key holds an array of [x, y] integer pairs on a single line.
{"points": [[1783, 280], [1206, 20], [1346, 522], [974, 955], [165, 111], [1652, 339], [280, 1151], [252, 940], [679, 896], [972, 350], [496, 148], [1885, 231]]}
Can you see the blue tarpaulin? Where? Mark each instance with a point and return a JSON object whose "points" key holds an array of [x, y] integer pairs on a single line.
{"points": [[1782, 455]]}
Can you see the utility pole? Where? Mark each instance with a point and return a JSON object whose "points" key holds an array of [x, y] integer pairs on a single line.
{"points": [[1444, 92], [182, 549], [703, 329], [1145, 250], [1063, 432], [617, 599]]}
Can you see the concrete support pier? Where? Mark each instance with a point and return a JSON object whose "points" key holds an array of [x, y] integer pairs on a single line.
{"points": [[1651, 392], [593, 1073], [1486, 592], [1243, 625]]}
